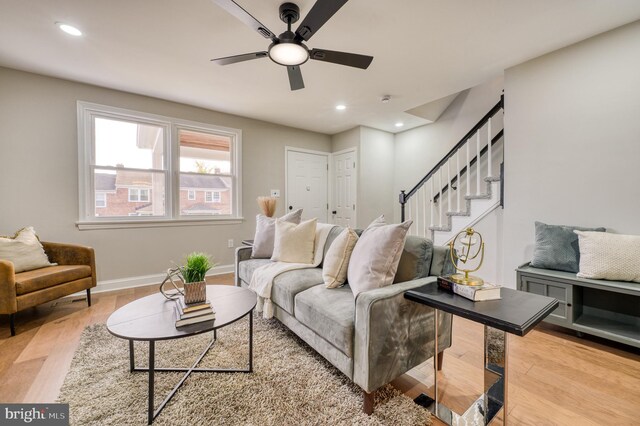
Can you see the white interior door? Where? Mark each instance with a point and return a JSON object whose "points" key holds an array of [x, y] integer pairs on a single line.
{"points": [[344, 183], [307, 176]]}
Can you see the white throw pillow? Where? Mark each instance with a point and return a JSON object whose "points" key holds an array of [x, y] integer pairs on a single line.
{"points": [[336, 261], [266, 231], [609, 256], [24, 251], [295, 243], [375, 257]]}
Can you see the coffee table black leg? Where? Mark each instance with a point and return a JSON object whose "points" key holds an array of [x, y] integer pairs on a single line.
{"points": [[152, 364], [251, 341], [132, 361]]}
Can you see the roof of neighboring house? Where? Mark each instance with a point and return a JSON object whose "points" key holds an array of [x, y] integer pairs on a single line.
{"points": [[109, 182], [202, 181], [105, 182]]}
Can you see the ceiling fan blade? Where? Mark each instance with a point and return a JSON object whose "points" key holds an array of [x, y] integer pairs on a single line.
{"points": [[239, 58], [236, 10], [342, 58], [295, 77], [319, 14]]}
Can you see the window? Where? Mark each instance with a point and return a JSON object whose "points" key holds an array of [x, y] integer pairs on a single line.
{"points": [[101, 199], [138, 195], [144, 162]]}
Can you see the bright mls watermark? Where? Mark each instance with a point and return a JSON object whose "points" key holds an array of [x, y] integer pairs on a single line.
{"points": [[34, 414]]}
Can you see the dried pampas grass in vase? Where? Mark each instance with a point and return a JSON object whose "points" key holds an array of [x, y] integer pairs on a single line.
{"points": [[267, 205]]}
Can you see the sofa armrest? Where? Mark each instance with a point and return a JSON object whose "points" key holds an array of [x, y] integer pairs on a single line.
{"points": [[71, 254], [8, 303], [242, 253], [393, 334]]}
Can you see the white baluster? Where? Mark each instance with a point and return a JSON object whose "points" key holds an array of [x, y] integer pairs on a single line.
{"points": [[458, 181], [489, 160], [431, 201], [424, 210], [416, 222], [478, 162], [440, 197], [449, 209], [468, 171]]}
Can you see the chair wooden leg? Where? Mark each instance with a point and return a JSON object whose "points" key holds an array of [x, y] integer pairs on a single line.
{"points": [[440, 360], [89, 296], [12, 324], [367, 403]]}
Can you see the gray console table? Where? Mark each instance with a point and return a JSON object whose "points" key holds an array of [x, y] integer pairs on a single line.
{"points": [[516, 312], [608, 309]]}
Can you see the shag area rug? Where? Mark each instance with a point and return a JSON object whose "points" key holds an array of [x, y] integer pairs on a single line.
{"points": [[290, 385]]}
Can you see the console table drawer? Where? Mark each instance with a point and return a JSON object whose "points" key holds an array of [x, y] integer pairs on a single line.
{"points": [[562, 315]]}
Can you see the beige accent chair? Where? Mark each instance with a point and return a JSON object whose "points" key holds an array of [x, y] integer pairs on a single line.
{"points": [[75, 271]]}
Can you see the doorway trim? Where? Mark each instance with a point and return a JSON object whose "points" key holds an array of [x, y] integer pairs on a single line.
{"points": [[331, 177], [288, 149]]}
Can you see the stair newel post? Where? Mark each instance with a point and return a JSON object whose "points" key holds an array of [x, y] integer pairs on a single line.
{"points": [[478, 162], [449, 209], [468, 169], [440, 197], [431, 202], [489, 157], [458, 180], [402, 203]]}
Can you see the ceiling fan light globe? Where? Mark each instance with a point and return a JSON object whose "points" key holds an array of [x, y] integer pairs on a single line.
{"points": [[288, 54]]}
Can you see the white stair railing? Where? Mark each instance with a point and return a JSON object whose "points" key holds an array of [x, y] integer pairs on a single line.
{"points": [[427, 205]]}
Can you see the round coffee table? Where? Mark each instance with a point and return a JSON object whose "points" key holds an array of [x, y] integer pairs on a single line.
{"points": [[153, 318]]}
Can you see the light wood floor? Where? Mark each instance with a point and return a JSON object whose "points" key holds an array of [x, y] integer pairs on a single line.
{"points": [[555, 378]]}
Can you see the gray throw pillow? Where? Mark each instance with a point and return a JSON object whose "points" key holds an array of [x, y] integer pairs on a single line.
{"points": [[415, 260], [557, 247], [265, 236]]}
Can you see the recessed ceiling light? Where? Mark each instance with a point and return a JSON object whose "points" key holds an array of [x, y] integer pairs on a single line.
{"points": [[341, 107], [399, 124], [69, 29]]}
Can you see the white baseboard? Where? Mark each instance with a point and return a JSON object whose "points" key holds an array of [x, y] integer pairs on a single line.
{"points": [[144, 280]]}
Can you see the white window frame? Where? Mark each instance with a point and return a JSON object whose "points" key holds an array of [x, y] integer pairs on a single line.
{"points": [[87, 112], [138, 198], [191, 194], [216, 196], [208, 196]]}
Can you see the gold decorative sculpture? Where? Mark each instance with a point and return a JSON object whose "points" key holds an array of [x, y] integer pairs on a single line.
{"points": [[464, 253]]}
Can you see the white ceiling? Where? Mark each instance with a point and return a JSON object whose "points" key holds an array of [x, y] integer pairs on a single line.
{"points": [[424, 50]]}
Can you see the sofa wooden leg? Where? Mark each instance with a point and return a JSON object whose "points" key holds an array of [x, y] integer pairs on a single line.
{"points": [[367, 403], [440, 360], [89, 296], [12, 324]]}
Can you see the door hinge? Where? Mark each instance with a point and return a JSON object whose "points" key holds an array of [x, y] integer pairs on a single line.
{"points": [[327, 206], [327, 166], [354, 164], [354, 207]]}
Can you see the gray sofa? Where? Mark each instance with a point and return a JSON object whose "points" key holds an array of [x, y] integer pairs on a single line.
{"points": [[373, 339]]}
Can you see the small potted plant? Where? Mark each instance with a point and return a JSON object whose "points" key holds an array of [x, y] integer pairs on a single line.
{"points": [[193, 274]]}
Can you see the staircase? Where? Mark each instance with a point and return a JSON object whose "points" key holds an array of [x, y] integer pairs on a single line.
{"points": [[463, 187]]}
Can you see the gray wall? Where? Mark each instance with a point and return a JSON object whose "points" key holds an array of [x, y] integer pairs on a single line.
{"points": [[39, 173], [419, 150], [572, 152], [375, 184]]}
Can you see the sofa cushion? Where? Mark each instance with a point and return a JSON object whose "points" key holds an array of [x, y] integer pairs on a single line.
{"points": [[330, 312], [294, 243], [38, 279], [24, 251], [415, 260], [336, 259], [288, 284], [246, 268], [265, 233], [375, 258]]}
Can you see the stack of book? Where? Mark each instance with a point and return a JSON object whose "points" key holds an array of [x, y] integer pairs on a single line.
{"points": [[476, 293], [193, 313]]}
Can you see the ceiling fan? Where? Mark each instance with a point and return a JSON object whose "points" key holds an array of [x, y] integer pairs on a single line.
{"points": [[288, 49]]}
